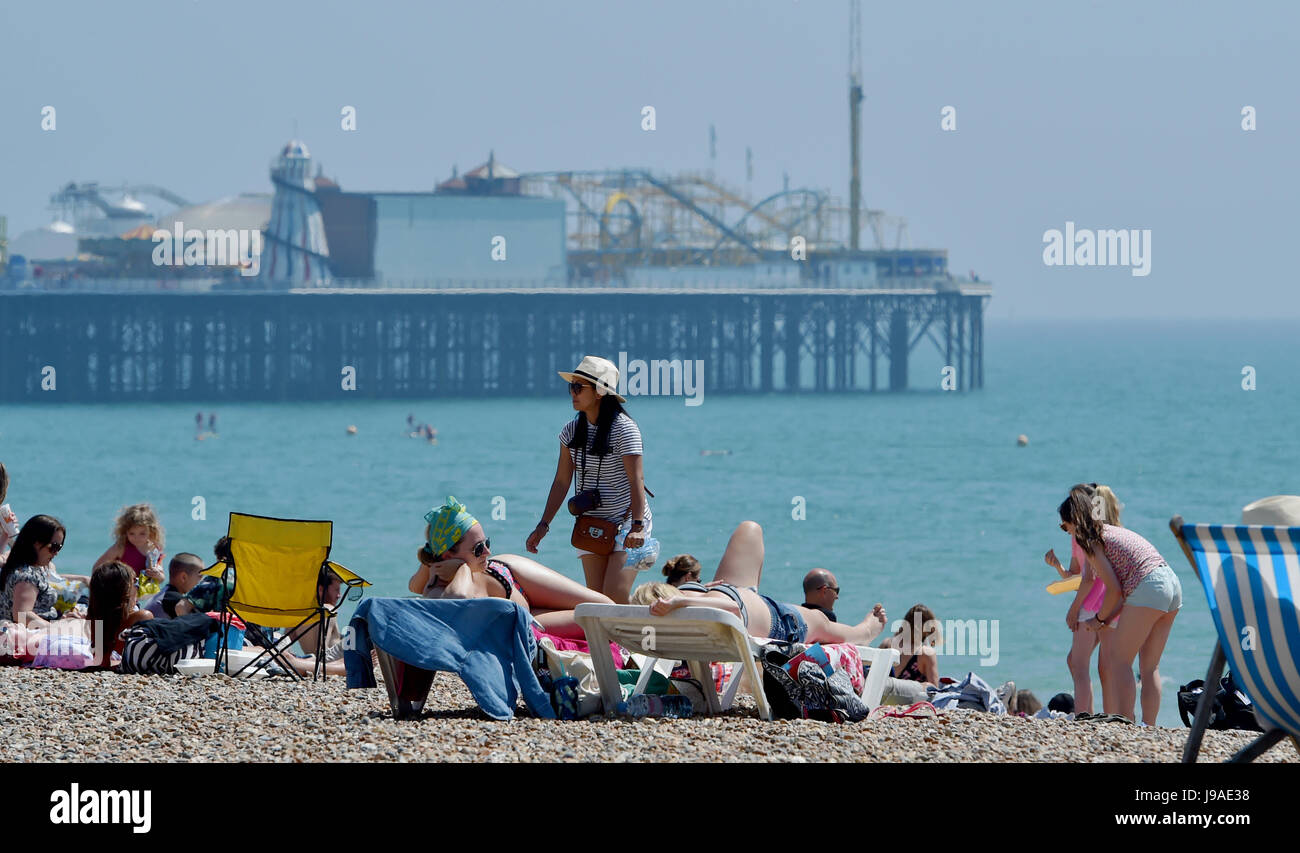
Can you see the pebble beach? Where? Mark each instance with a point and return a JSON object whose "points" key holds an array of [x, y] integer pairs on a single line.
{"points": [[54, 716]]}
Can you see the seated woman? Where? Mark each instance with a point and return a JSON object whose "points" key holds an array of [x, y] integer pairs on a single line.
{"points": [[112, 610], [25, 593], [457, 562], [735, 589], [915, 640]]}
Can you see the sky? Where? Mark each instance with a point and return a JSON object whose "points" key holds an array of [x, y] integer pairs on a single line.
{"points": [[1109, 115]]}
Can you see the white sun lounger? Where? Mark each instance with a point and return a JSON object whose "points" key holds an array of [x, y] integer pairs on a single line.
{"points": [[699, 636]]}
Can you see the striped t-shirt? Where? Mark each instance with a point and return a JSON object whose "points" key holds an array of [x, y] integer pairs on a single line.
{"points": [[615, 490]]}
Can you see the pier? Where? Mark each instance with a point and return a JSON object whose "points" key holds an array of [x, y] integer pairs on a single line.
{"points": [[472, 341]]}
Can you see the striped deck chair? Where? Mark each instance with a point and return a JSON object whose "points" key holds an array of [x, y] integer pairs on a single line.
{"points": [[273, 571], [1251, 576]]}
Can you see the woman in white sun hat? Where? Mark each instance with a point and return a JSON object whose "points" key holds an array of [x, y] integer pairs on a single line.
{"points": [[602, 447]]}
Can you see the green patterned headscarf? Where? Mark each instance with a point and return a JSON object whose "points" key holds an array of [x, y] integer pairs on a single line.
{"points": [[448, 524]]}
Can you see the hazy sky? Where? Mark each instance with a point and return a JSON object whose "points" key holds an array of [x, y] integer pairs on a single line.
{"points": [[1110, 115]]}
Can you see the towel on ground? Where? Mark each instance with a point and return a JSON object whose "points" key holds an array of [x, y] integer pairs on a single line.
{"points": [[972, 693], [488, 642]]}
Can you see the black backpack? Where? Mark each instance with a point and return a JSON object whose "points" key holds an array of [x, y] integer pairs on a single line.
{"points": [[1230, 708]]}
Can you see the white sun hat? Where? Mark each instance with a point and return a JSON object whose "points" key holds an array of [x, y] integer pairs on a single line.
{"points": [[1278, 510], [600, 372]]}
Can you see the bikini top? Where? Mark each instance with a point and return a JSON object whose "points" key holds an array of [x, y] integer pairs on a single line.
{"points": [[504, 576], [724, 588], [911, 671], [495, 569]]}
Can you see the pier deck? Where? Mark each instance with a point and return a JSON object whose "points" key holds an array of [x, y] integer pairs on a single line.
{"points": [[420, 343]]}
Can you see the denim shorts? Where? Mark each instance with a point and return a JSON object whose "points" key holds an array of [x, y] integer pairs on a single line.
{"points": [[788, 624], [1160, 590]]}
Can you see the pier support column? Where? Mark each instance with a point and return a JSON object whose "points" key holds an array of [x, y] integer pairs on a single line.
{"points": [[766, 338], [898, 347], [873, 330], [793, 314]]}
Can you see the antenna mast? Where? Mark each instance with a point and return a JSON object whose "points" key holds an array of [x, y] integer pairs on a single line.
{"points": [[855, 136]]}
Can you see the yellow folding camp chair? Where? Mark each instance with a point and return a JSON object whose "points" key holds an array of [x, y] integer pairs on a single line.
{"points": [[273, 575]]}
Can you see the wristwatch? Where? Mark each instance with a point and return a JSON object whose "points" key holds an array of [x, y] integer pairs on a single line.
{"points": [[638, 523]]}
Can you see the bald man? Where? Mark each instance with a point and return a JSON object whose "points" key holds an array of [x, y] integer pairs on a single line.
{"points": [[820, 590]]}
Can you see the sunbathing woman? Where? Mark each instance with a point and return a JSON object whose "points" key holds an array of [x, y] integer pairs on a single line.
{"points": [[915, 640], [735, 589], [457, 562]]}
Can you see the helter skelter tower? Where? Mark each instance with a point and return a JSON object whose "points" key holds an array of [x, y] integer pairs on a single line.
{"points": [[295, 253]]}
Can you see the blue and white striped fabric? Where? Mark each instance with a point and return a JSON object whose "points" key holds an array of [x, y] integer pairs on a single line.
{"points": [[1251, 574]]}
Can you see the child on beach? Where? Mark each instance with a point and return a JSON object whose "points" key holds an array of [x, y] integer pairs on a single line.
{"points": [[1088, 598], [916, 640], [138, 542]]}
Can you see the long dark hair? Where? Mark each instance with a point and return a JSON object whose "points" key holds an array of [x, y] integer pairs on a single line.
{"points": [[110, 599], [39, 528], [1077, 509], [4, 482], [610, 409]]}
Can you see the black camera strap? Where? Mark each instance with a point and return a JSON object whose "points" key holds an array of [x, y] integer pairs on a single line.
{"points": [[583, 476]]}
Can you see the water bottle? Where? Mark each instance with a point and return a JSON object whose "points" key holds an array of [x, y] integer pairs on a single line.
{"points": [[674, 706], [643, 557]]}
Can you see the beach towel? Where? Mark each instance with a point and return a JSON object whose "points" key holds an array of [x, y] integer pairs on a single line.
{"points": [[565, 644], [486, 641], [971, 693], [64, 650]]}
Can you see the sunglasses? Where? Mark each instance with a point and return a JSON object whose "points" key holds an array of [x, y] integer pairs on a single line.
{"points": [[1063, 527], [834, 589], [481, 547], [55, 547], [576, 387]]}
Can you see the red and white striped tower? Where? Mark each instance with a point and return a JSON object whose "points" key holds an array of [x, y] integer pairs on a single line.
{"points": [[294, 253]]}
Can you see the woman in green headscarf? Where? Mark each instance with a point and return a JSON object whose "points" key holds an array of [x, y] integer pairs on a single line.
{"points": [[456, 561]]}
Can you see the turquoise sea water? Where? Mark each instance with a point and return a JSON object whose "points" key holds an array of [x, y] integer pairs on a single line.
{"points": [[920, 497]]}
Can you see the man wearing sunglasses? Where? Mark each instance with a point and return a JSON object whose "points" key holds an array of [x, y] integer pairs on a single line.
{"points": [[820, 590]]}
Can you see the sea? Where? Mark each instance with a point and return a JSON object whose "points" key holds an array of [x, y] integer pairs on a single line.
{"points": [[917, 497]]}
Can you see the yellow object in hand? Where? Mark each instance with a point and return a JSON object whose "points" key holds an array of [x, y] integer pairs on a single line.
{"points": [[1067, 585]]}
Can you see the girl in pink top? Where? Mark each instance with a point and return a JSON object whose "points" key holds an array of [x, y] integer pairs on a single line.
{"points": [[138, 542], [1087, 600], [1139, 581]]}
